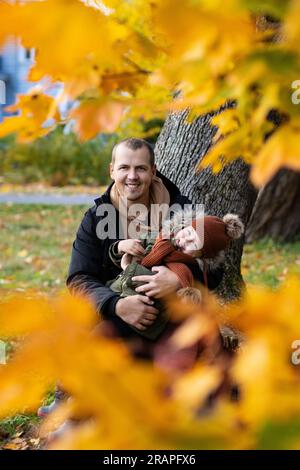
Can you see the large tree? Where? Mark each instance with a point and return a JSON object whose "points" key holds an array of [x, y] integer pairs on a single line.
{"points": [[276, 213], [180, 146]]}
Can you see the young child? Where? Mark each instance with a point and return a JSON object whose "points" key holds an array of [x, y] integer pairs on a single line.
{"points": [[188, 249]]}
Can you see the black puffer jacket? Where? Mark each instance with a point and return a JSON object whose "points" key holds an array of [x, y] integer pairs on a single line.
{"points": [[90, 266]]}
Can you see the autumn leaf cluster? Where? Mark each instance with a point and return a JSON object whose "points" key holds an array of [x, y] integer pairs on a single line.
{"points": [[121, 62], [121, 402]]}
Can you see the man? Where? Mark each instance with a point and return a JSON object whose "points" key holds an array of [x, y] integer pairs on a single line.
{"points": [[135, 181], [134, 173]]}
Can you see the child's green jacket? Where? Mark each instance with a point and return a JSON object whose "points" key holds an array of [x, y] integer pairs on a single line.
{"points": [[124, 286]]}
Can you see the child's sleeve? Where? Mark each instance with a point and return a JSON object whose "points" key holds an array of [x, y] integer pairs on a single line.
{"points": [[114, 255]]}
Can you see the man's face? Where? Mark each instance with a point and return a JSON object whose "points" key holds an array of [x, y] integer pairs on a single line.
{"points": [[188, 241], [132, 172]]}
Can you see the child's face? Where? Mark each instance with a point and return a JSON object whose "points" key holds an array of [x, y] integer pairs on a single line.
{"points": [[188, 242]]}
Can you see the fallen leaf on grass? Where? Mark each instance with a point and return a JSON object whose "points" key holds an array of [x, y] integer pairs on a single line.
{"points": [[23, 253], [16, 444]]}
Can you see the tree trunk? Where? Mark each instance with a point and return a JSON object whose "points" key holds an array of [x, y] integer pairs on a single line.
{"points": [[179, 148], [276, 213]]}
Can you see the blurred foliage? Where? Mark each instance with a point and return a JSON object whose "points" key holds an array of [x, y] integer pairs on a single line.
{"points": [[125, 403], [58, 158], [247, 54]]}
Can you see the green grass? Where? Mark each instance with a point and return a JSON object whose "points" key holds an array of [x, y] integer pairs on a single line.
{"points": [[268, 263], [17, 423], [35, 247]]}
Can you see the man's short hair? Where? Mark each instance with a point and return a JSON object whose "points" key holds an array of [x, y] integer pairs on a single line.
{"points": [[134, 144]]}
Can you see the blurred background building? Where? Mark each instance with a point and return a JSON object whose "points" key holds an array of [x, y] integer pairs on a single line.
{"points": [[15, 62]]}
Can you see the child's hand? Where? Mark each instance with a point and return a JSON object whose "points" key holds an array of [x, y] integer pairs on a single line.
{"points": [[126, 260], [131, 247]]}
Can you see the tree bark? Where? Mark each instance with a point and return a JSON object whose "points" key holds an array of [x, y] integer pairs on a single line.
{"points": [[179, 148], [276, 213]]}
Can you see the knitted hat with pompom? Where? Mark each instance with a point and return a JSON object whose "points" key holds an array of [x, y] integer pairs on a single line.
{"points": [[217, 232]]}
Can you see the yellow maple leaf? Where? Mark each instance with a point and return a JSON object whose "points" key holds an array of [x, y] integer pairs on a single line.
{"points": [[196, 385], [291, 24], [92, 117], [38, 114], [53, 31], [227, 122], [282, 149]]}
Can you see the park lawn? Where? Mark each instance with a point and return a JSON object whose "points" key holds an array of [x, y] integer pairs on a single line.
{"points": [[35, 246], [267, 263]]}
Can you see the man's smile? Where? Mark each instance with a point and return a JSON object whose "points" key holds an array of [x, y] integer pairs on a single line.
{"points": [[132, 185]]}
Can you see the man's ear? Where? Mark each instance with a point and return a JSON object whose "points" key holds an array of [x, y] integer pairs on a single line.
{"points": [[111, 171], [153, 170]]}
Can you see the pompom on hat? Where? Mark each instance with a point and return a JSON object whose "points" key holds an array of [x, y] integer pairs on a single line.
{"points": [[217, 233]]}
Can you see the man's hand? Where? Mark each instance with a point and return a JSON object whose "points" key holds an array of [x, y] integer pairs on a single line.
{"points": [[164, 282], [137, 310]]}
